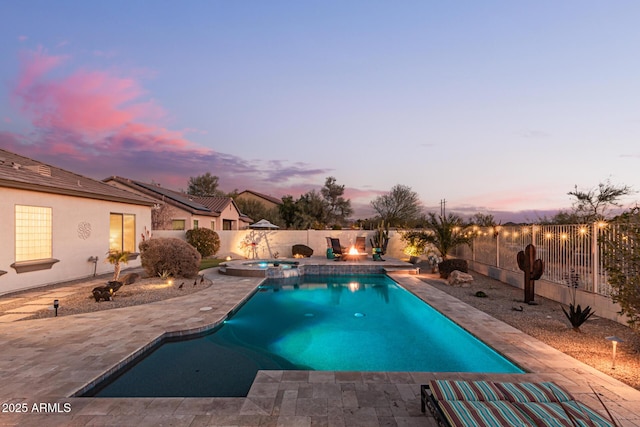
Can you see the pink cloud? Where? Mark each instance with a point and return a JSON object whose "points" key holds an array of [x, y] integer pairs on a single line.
{"points": [[99, 124], [91, 111], [33, 65]]}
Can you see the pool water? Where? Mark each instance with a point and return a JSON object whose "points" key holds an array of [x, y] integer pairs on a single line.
{"points": [[340, 323]]}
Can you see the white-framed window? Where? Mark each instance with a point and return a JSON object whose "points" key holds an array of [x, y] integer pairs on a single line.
{"points": [[213, 225], [34, 233], [195, 224], [122, 232]]}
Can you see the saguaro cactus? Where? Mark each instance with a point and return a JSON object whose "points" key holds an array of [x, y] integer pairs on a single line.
{"points": [[533, 269]]}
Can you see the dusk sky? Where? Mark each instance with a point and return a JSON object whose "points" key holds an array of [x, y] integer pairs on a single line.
{"points": [[499, 107]]}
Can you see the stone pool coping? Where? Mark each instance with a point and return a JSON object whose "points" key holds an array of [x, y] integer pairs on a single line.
{"points": [[48, 360], [314, 265]]}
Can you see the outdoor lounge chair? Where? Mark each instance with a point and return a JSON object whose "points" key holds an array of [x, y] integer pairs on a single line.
{"points": [[487, 403], [337, 248]]}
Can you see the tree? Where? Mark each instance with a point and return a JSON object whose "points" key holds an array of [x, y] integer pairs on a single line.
{"points": [[483, 220], [621, 258], [257, 210], [592, 205], [448, 232], [338, 208], [399, 207], [311, 211], [204, 185], [561, 218], [160, 216], [288, 211]]}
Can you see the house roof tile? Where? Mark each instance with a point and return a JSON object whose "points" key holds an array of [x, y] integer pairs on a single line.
{"points": [[24, 173], [207, 206]]}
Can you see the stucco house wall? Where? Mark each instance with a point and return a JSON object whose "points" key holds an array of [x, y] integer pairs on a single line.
{"points": [[209, 212], [80, 229]]}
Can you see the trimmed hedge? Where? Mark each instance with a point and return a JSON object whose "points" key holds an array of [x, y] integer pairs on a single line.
{"points": [[169, 256], [205, 240], [448, 265]]}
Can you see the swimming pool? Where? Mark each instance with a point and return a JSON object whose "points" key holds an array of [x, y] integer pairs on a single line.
{"points": [[341, 323]]}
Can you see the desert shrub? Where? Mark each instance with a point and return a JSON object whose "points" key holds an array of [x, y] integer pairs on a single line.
{"points": [[169, 255], [621, 258], [417, 242], [205, 240], [448, 265]]}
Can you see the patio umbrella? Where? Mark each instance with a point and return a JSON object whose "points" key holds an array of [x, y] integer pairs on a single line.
{"points": [[263, 224]]}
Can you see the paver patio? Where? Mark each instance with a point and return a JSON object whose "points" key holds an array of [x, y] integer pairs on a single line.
{"points": [[49, 360]]}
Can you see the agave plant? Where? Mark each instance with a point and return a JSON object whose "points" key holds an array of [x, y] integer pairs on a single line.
{"points": [[576, 315]]}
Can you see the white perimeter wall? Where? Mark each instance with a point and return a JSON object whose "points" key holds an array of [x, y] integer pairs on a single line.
{"points": [[268, 242], [69, 246]]}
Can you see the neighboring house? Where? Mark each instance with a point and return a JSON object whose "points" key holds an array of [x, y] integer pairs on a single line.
{"points": [[57, 225], [268, 201], [180, 211]]}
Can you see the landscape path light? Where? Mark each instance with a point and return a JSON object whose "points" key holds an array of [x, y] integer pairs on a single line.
{"points": [[56, 304], [614, 341]]}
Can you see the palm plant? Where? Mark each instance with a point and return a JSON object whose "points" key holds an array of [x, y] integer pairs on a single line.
{"points": [[447, 232], [115, 258]]}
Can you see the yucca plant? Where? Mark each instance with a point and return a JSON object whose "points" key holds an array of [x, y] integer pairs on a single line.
{"points": [[576, 315]]}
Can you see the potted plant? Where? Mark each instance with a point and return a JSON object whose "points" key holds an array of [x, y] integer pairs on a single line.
{"points": [[433, 258]]}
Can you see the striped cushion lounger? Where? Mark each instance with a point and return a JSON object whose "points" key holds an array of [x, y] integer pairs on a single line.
{"points": [[552, 414], [496, 413], [534, 392], [487, 403]]}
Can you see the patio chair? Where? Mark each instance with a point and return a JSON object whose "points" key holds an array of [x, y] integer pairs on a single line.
{"points": [[487, 403], [337, 248], [361, 244]]}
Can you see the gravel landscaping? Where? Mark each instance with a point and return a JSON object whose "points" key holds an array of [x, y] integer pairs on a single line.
{"points": [[143, 291], [547, 322]]}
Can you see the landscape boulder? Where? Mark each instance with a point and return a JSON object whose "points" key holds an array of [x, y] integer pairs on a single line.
{"points": [[129, 279], [303, 250], [458, 278]]}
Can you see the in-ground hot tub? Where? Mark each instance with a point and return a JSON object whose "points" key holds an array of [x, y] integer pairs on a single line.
{"points": [[273, 268]]}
